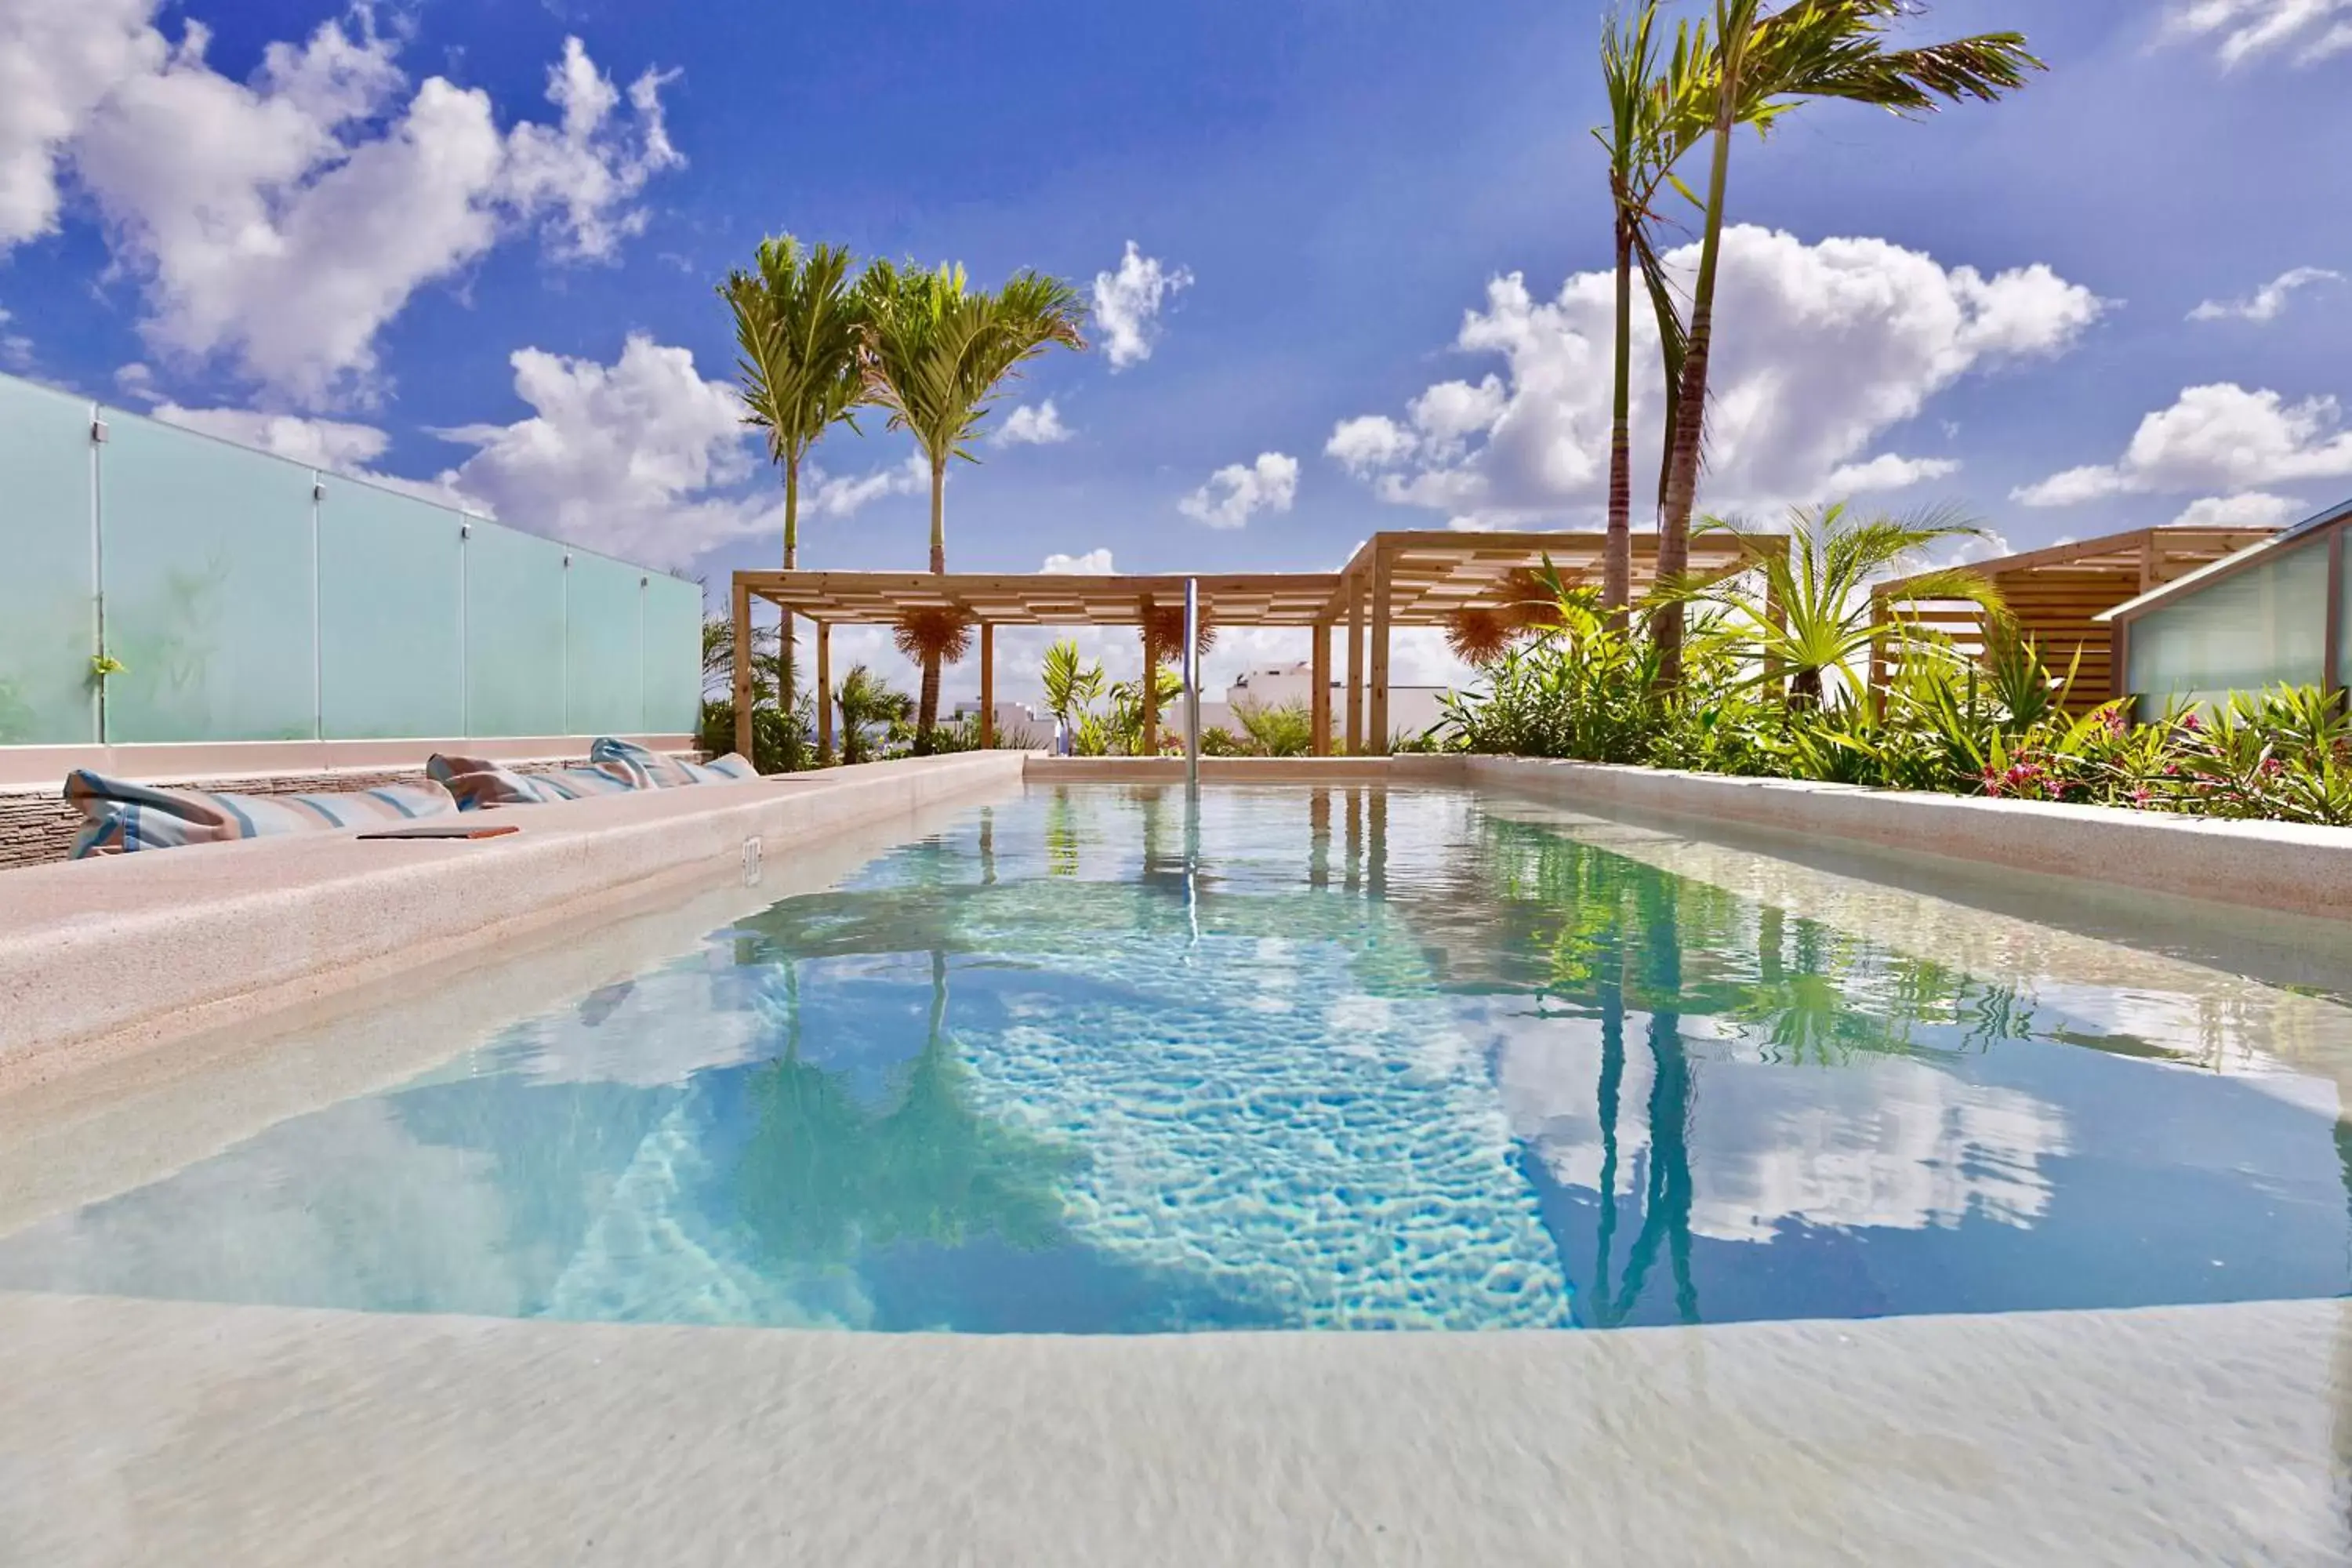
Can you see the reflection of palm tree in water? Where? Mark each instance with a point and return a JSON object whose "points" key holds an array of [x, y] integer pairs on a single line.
{"points": [[1668, 1192], [824, 1175]]}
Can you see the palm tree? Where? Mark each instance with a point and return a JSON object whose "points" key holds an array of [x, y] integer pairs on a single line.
{"points": [[1810, 48], [1657, 113], [866, 700], [718, 657], [936, 353], [1805, 612], [796, 340]]}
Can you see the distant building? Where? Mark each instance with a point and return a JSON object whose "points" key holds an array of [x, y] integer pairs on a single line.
{"points": [[1017, 725], [1411, 708]]}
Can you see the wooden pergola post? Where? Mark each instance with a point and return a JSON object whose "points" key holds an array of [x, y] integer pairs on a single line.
{"points": [[987, 685], [1319, 702], [1878, 618], [1151, 746], [1378, 722], [824, 692], [743, 681], [1355, 664]]}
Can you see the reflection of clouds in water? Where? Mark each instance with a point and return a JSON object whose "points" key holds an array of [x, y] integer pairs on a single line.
{"points": [[660, 1028], [1895, 1143], [2219, 1032], [345, 1208]]}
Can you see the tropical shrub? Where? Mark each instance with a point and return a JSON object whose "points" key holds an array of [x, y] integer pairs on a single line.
{"points": [[1284, 730], [777, 746]]}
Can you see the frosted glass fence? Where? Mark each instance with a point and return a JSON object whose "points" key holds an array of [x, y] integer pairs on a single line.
{"points": [[248, 598], [2254, 629]]}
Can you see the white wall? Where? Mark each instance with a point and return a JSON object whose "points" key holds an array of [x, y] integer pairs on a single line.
{"points": [[1411, 708]]}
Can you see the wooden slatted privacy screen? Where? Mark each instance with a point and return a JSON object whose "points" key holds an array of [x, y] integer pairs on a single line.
{"points": [[2054, 595]]}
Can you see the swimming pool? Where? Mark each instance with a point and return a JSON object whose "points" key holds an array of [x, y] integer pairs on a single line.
{"points": [[1099, 1059]]}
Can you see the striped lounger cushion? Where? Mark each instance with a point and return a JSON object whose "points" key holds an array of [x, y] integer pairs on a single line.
{"points": [[127, 816], [477, 782], [657, 770]]}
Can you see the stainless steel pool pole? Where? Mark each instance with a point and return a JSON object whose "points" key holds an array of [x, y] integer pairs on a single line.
{"points": [[1192, 683]]}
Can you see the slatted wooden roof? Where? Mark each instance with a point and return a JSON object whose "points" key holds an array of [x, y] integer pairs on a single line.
{"points": [[1434, 573], [1430, 577], [876, 599]]}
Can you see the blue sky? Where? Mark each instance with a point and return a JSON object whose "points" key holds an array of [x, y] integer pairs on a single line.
{"points": [[351, 234]]}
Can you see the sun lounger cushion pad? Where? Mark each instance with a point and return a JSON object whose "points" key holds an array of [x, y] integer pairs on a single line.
{"points": [[126, 816], [477, 782]]}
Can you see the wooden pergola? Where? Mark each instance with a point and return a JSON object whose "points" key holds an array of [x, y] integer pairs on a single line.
{"points": [[1397, 579], [2056, 596]]}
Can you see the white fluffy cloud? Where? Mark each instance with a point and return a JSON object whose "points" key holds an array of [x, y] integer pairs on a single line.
{"points": [[2254, 508], [1239, 491], [280, 222], [844, 495], [1820, 350], [1034, 425], [1369, 443], [2242, 29], [1888, 471], [16, 348], [1093, 563], [2268, 302], [641, 457], [2221, 437], [1128, 303], [321, 443], [625, 457], [58, 64]]}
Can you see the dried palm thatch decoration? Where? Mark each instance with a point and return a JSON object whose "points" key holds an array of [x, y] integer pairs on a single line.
{"points": [[1481, 637], [1163, 632], [940, 633], [1531, 597]]}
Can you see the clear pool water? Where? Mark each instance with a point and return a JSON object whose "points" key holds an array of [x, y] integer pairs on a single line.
{"points": [[1311, 1058]]}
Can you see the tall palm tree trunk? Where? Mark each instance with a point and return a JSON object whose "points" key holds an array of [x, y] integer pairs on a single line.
{"points": [[1617, 551], [926, 713], [1690, 414], [785, 618]]}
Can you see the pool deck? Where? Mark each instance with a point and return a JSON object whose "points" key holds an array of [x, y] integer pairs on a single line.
{"points": [[163, 1432]]}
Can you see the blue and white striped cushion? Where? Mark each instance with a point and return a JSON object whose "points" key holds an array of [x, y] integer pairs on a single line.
{"points": [[126, 816]]}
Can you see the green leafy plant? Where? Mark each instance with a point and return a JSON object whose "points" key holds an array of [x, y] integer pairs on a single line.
{"points": [[1283, 729], [1805, 613], [868, 706]]}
